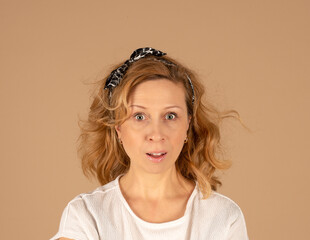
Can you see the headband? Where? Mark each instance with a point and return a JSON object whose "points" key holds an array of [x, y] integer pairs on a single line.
{"points": [[117, 75]]}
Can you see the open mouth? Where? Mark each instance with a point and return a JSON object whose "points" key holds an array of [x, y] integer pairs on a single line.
{"points": [[156, 157], [156, 154]]}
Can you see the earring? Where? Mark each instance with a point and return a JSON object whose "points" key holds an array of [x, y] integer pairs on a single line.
{"points": [[120, 141], [186, 140]]}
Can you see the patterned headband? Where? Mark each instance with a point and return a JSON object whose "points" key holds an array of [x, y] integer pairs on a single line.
{"points": [[117, 75]]}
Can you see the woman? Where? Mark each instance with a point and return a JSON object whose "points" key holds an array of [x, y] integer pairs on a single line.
{"points": [[152, 143]]}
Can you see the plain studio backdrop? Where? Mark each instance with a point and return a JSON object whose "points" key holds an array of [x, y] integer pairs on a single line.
{"points": [[253, 56]]}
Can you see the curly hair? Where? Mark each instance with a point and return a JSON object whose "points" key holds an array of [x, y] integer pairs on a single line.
{"points": [[104, 157]]}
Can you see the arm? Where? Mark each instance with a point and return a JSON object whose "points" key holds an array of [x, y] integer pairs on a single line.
{"points": [[76, 223], [238, 230]]}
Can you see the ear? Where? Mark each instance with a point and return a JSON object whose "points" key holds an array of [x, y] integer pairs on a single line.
{"points": [[118, 130], [189, 121]]}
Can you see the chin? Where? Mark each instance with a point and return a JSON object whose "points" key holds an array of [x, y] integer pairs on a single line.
{"points": [[157, 168]]}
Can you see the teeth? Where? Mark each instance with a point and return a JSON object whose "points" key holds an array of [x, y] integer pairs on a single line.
{"points": [[156, 154]]}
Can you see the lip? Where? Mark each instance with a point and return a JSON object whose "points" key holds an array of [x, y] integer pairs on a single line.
{"points": [[162, 151], [156, 160]]}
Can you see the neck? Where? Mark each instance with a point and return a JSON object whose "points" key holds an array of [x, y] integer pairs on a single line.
{"points": [[155, 187]]}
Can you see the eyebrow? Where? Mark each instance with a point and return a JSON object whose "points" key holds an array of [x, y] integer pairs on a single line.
{"points": [[146, 108]]}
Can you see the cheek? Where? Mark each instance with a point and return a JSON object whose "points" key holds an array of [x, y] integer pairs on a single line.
{"points": [[179, 129], [177, 134], [131, 143], [132, 139], [178, 139], [129, 134]]}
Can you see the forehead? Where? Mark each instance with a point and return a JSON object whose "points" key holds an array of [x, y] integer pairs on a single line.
{"points": [[157, 93]]}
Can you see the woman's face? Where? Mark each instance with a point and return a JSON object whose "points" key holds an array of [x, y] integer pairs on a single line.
{"points": [[157, 125]]}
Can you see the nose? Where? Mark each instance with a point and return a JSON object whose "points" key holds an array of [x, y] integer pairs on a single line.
{"points": [[156, 138], [155, 133]]}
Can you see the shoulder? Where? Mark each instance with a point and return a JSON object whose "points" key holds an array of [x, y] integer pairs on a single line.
{"points": [[90, 205], [93, 199], [86, 212], [219, 213], [220, 205], [224, 201], [231, 216]]}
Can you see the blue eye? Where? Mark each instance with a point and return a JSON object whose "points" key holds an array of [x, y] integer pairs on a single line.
{"points": [[171, 116]]}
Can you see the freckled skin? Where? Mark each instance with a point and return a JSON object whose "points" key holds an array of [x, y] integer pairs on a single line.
{"points": [[155, 127]]}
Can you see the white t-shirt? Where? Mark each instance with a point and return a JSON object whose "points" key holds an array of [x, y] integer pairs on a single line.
{"points": [[104, 214]]}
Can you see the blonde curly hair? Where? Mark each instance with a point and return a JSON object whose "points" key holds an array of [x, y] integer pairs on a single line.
{"points": [[104, 157]]}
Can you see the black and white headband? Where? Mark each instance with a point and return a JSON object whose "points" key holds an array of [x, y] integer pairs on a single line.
{"points": [[117, 75]]}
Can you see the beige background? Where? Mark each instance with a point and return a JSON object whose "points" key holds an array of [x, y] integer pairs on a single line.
{"points": [[253, 56]]}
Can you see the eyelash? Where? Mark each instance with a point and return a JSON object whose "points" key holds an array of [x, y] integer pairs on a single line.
{"points": [[139, 113]]}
